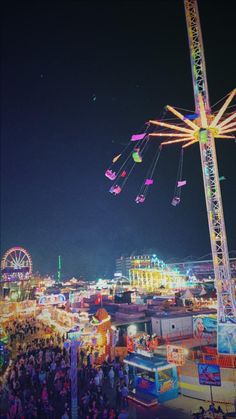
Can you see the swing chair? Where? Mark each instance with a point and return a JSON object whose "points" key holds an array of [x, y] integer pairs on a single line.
{"points": [[110, 174], [140, 198], [115, 190], [179, 182], [137, 156]]}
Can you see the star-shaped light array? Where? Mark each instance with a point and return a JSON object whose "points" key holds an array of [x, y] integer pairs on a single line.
{"points": [[190, 133]]}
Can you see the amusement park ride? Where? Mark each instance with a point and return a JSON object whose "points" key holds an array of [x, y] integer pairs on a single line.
{"points": [[16, 264], [203, 127]]}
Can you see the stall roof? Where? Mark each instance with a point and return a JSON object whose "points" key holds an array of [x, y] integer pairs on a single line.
{"points": [[175, 314], [151, 364]]}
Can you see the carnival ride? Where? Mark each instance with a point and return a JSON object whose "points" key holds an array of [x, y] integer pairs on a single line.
{"points": [[201, 126], [16, 264]]}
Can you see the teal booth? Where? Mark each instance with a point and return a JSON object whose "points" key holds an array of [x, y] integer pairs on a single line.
{"points": [[153, 375]]}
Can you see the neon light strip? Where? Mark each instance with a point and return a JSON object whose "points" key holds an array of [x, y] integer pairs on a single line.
{"points": [[159, 134], [223, 109], [202, 112], [135, 399], [191, 142], [224, 136], [227, 126], [225, 122], [138, 366], [177, 141], [164, 124], [227, 130], [180, 116]]}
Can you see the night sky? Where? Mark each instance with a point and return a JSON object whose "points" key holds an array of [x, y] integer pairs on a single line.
{"points": [[78, 79]]}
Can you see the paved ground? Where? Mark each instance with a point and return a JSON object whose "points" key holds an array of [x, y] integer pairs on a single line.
{"points": [[180, 408]]}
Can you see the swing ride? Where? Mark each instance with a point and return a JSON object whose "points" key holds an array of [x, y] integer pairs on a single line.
{"points": [[202, 127]]}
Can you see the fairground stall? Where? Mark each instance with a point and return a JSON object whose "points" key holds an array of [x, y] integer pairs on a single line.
{"points": [[154, 380]]}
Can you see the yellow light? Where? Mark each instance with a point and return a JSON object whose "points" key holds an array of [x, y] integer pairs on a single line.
{"points": [[191, 142], [175, 127], [176, 141]]}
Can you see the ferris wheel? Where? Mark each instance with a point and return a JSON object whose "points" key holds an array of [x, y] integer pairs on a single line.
{"points": [[16, 264]]}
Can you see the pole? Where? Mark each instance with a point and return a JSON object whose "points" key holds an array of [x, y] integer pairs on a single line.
{"points": [[74, 381], [212, 401]]}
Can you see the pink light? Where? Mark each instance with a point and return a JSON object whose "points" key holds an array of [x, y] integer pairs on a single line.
{"points": [[137, 137], [115, 189], [140, 199], [110, 174], [148, 182], [181, 183]]}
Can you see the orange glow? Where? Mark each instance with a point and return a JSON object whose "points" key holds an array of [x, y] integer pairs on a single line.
{"points": [[202, 112], [176, 127], [191, 142], [227, 126], [224, 136], [225, 122], [159, 134], [223, 109], [227, 130], [177, 141]]}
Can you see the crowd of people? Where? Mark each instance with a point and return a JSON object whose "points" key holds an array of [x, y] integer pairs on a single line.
{"points": [[38, 382], [212, 412], [23, 330]]}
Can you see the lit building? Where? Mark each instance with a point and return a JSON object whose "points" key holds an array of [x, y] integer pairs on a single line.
{"points": [[125, 263], [148, 273], [202, 269]]}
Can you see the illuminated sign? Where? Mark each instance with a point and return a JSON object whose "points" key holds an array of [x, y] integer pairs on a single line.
{"points": [[209, 374], [52, 299], [175, 354], [204, 326]]}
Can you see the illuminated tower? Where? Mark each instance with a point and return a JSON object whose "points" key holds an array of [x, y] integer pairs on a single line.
{"points": [[59, 270]]}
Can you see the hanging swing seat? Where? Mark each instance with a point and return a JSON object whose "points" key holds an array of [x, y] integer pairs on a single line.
{"points": [[138, 137], [110, 174], [115, 190], [175, 201], [148, 182], [140, 199], [137, 156], [181, 183]]}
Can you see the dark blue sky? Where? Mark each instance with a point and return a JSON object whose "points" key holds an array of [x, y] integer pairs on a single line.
{"points": [[57, 141]]}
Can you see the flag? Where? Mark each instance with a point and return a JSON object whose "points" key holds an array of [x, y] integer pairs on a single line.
{"points": [[116, 158], [148, 182], [191, 116], [98, 299], [137, 137], [181, 183]]}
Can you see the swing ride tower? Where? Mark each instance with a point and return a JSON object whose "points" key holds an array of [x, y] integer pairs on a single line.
{"points": [[203, 128], [208, 129]]}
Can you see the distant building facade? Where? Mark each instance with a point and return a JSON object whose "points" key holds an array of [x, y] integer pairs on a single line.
{"points": [[148, 273], [202, 269], [125, 263]]}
